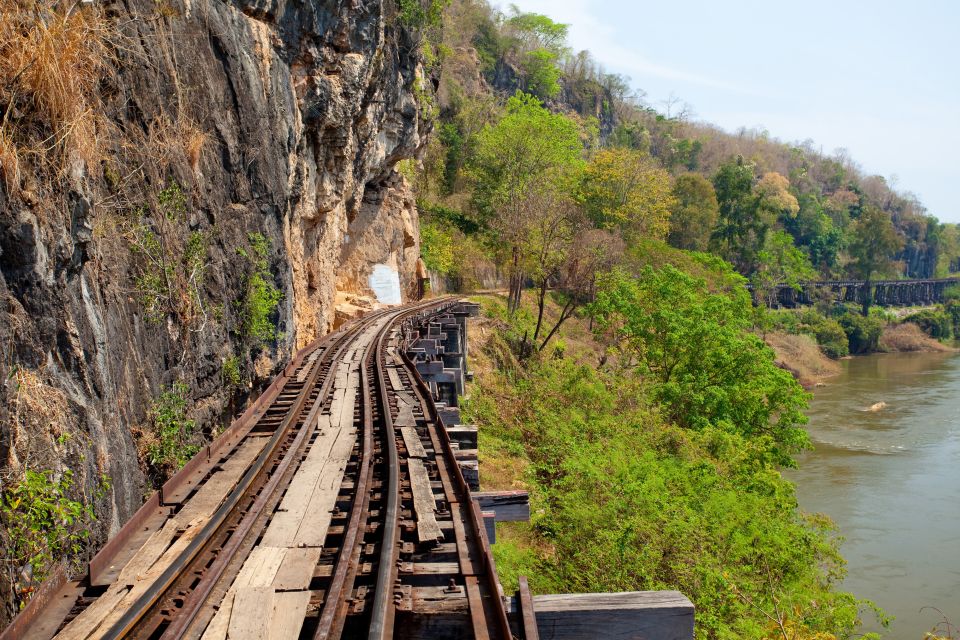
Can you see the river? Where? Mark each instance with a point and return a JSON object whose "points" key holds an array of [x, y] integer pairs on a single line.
{"points": [[890, 479]]}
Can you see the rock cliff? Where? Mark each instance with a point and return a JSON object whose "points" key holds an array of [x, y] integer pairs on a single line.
{"points": [[235, 140]]}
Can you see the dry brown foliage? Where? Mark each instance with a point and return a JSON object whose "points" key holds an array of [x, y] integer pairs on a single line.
{"points": [[52, 57], [909, 337], [800, 355]]}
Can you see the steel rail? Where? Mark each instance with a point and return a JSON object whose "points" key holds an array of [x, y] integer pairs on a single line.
{"points": [[185, 618], [334, 609], [130, 618], [472, 509], [381, 621], [333, 612]]}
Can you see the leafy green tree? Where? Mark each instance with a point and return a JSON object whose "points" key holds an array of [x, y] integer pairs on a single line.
{"points": [[741, 230], [542, 74], [694, 214], [529, 147], [437, 247], [780, 263], [626, 189], [537, 31], [696, 346], [873, 245]]}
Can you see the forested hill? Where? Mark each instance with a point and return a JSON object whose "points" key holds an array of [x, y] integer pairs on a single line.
{"points": [[734, 194]]}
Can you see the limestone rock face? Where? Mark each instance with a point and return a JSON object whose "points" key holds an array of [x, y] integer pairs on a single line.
{"points": [[283, 118]]}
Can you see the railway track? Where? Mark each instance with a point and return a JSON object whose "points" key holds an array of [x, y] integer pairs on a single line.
{"points": [[334, 508]]}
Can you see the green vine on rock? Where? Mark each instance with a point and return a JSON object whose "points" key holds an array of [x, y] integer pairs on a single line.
{"points": [[43, 525], [261, 296]]}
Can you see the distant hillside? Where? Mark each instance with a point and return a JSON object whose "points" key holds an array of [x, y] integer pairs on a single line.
{"points": [[486, 56]]}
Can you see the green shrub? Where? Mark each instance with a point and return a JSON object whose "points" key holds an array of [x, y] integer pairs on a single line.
{"points": [[169, 281], [170, 448], [261, 297], [952, 308], [43, 523], [936, 323], [832, 338], [230, 371], [436, 247], [863, 333]]}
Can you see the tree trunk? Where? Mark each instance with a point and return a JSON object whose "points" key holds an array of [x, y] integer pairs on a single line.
{"points": [[867, 297], [564, 315], [541, 302], [516, 283]]}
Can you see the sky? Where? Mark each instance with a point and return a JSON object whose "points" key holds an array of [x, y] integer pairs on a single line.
{"points": [[880, 79]]}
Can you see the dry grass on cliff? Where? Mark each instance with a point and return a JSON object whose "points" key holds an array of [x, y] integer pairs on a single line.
{"points": [[800, 355], [908, 337], [39, 416], [51, 61]]}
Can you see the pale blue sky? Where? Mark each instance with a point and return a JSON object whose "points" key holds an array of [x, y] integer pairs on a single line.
{"points": [[881, 79]]}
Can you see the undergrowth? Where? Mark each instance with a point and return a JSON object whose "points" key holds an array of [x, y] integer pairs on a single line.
{"points": [[261, 296], [44, 523], [52, 56], [169, 442], [171, 277]]}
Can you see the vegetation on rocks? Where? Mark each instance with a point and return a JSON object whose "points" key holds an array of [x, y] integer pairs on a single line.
{"points": [[169, 443]]}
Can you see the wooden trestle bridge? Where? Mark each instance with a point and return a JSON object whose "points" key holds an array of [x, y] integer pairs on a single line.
{"points": [[885, 293], [341, 504]]}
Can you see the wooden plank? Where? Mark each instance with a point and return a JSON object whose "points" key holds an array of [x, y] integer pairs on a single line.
{"points": [[316, 520], [509, 506], [260, 567], [424, 502], [157, 552], [252, 614], [289, 610], [411, 440], [395, 381], [217, 629], [82, 626], [283, 527], [656, 615], [309, 499], [527, 614], [405, 417], [146, 580], [297, 569]]}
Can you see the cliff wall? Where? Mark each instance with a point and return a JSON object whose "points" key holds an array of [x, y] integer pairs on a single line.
{"points": [[126, 266]]}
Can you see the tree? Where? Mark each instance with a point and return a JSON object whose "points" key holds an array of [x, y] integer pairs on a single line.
{"points": [[741, 229], [529, 147], [695, 346], [626, 189], [776, 200], [535, 30], [780, 263], [542, 74], [593, 253], [873, 245], [694, 214]]}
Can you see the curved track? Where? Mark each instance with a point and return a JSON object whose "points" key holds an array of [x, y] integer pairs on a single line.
{"points": [[334, 508]]}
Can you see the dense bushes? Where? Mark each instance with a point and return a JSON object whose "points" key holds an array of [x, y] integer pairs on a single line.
{"points": [[832, 338], [863, 332], [625, 497], [936, 323], [952, 308]]}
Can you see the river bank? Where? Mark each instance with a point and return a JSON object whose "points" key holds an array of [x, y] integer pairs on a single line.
{"points": [[800, 355], [888, 477]]}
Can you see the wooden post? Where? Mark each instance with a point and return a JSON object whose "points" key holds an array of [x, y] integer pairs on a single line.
{"points": [[631, 615]]}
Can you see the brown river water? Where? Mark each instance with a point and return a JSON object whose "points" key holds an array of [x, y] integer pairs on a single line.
{"points": [[890, 480]]}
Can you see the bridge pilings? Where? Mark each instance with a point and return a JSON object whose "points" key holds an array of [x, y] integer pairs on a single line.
{"points": [[883, 293]]}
